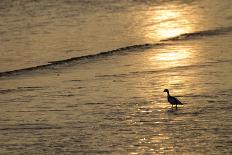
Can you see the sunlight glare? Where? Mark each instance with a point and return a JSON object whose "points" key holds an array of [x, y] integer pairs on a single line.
{"points": [[169, 22], [172, 55]]}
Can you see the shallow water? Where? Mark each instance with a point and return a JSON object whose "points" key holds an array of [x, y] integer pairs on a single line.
{"points": [[113, 103]]}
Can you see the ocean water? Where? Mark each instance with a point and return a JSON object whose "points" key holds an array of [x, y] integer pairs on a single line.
{"points": [[87, 77]]}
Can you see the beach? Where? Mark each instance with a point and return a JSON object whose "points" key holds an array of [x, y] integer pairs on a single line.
{"points": [[87, 77]]}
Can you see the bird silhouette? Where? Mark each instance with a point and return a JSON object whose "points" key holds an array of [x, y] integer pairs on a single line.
{"points": [[172, 100]]}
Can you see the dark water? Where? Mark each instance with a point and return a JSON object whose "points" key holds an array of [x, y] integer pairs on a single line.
{"points": [[87, 77]]}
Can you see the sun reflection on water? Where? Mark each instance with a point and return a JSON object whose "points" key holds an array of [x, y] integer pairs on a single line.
{"points": [[167, 67], [172, 23], [173, 57], [172, 62], [170, 59], [169, 22]]}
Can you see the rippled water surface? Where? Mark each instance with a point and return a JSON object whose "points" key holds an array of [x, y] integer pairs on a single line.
{"points": [[101, 71], [36, 32]]}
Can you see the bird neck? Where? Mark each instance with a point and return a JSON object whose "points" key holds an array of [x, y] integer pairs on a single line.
{"points": [[168, 93]]}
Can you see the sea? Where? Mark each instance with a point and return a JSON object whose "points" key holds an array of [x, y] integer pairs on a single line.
{"points": [[87, 77]]}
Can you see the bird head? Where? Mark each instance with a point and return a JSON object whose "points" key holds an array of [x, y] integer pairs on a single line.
{"points": [[166, 90]]}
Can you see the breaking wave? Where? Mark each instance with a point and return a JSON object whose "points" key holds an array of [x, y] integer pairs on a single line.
{"points": [[199, 34], [182, 37]]}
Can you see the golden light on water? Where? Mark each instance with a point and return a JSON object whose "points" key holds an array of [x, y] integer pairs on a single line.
{"points": [[172, 23], [170, 59], [171, 32], [167, 61], [169, 22], [173, 57]]}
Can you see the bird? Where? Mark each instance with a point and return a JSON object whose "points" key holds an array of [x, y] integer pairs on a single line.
{"points": [[172, 100]]}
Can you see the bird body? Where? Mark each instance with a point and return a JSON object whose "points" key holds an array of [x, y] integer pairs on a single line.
{"points": [[172, 100]]}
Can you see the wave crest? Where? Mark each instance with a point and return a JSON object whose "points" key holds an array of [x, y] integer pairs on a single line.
{"points": [[199, 34], [182, 37]]}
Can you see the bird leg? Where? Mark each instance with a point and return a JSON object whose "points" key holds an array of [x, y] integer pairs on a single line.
{"points": [[176, 106]]}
